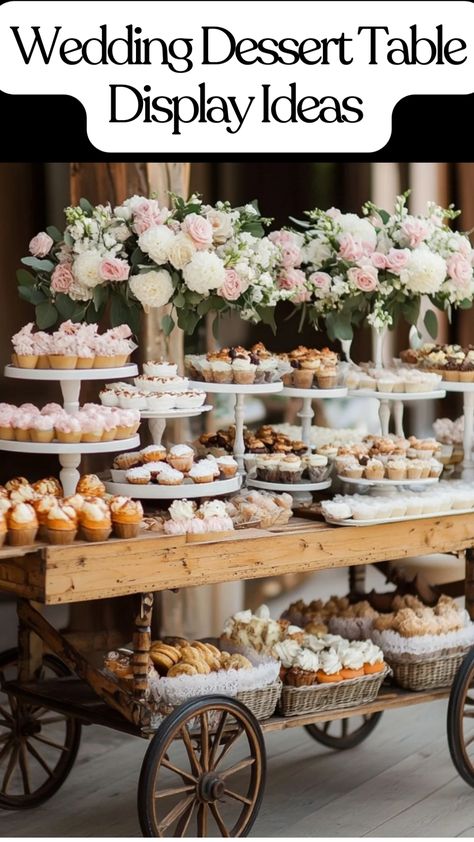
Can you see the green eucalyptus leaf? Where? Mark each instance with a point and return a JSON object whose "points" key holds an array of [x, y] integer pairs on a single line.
{"points": [[138, 256], [431, 323], [179, 300], [411, 310], [46, 315], [86, 206], [39, 265], [167, 324], [66, 306], [33, 296], [25, 278], [339, 325], [465, 304], [54, 233], [256, 229], [100, 295]]}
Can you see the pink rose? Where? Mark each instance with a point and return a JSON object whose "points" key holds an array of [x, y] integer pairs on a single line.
{"points": [[114, 269], [282, 238], [364, 278], [290, 256], [199, 229], [148, 213], [321, 280], [334, 213], [295, 281], [350, 249], [379, 260], [414, 231], [397, 259], [62, 278], [301, 296], [459, 269], [41, 245], [233, 286]]}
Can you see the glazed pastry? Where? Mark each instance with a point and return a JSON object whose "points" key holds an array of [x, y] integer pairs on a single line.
{"points": [[49, 485], [170, 476], [153, 453], [90, 486], [138, 476], [201, 472], [126, 516], [61, 524], [182, 669]]}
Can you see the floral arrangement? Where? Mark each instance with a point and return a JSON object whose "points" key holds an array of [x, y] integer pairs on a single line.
{"points": [[377, 266], [197, 258]]}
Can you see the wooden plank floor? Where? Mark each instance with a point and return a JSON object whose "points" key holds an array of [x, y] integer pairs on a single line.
{"points": [[400, 782]]}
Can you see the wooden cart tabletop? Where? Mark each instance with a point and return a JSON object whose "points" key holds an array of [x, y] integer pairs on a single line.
{"points": [[153, 562]]}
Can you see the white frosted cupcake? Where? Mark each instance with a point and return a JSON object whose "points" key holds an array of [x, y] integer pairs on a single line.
{"points": [[109, 397], [243, 371], [227, 466], [181, 457], [221, 371], [132, 400], [363, 511], [160, 368], [190, 400], [170, 476], [336, 511], [202, 472], [138, 476], [161, 401]]}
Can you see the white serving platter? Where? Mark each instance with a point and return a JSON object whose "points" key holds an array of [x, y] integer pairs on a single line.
{"points": [[377, 521], [404, 397], [188, 489], [57, 447], [290, 487], [129, 370], [237, 388], [176, 413], [314, 394], [389, 482], [452, 386]]}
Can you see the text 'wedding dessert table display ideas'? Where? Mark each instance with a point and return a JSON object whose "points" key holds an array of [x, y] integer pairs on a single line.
{"points": [[320, 665]]}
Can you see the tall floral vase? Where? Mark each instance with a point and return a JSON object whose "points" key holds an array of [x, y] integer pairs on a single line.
{"points": [[378, 339], [346, 345]]}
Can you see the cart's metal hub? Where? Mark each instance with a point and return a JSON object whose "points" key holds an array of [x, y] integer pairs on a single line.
{"points": [[210, 787]]}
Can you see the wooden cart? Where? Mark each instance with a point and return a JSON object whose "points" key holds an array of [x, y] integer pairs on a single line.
{"points": [[204, 770]]}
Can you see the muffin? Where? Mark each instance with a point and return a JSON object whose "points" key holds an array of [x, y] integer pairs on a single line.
{"points": [[397, 469], [90, 486], [316, 467], [95, 520], [22, 525], [153, 453], [302, 377], [181, 457], [138, 476], [227, 466], [243, 370], [374, 469], [353, 469], [291, 469], [61, 524], [202, 472], [327, 378], [127, 516]]}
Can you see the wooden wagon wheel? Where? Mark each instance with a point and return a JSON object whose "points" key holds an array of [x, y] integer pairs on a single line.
{"points": [[460, 722], [204, 771], [38, 746], [344, 733]]}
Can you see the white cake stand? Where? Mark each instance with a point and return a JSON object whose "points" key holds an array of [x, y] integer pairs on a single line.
{"points": [[70, 381], [388, 483], [157, 420], [187, 490], [306, 412], [239, 391], [300, 491], [467, 391], [395, 401]]}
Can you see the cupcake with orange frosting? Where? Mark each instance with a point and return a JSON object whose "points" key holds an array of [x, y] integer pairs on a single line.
{"points": [[95, 520], [90, 485], [330, 667], [61, 524], [48, 485], [127, 516], [352, 660], [42, 507], [22, 525]]}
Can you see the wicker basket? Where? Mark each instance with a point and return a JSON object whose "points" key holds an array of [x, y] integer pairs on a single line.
{"points": [[321, 697], [261, 702], [426, 673]]}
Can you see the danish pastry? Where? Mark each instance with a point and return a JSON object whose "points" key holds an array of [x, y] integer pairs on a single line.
{"points": [[181, 669]]}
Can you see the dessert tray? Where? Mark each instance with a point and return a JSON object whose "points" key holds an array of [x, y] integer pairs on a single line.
{"points": [[290, 487], [175, 413], [376, 521], [388, 482], [237, 388], [314, 393], [128, 370], [187, 489], [402, 396], [60, 448]]}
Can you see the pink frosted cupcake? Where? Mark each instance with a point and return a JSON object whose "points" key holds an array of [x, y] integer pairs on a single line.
{"points": [[110, 426], [64, 351], [43, 346], [22, 422], [52, 409], [68, 429], [7, 412], [25, 354], [92, 427], [128, 422], [42, 429], [85, 356]]}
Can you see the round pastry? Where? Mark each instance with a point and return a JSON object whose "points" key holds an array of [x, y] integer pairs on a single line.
{"points": [[182, 669], [127, 516], [94, 519], [22, 524], [153, 453], [16, 483], [67, 429], [42, 506], [227, 466], [42, 429], [90, 486], [201, 472], [124, 461], [170, 476], [48, 485], [61, 524], [161, 661], [172, 652], [181, 457]]}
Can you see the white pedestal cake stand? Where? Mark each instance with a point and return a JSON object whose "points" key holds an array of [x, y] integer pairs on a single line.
{"points": [[187, 490], [239, 391], [389, 483], [157, 420], [299, 491], [306, 412], [467, 391], [70, 382], [395, 401]]}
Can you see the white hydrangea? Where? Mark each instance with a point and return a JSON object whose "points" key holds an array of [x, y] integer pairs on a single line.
{"points": [[204, 272], [156, 242], [152, 289], [317, 251], [181, 250], [86, 268], [126, 210], [222, 225], [361, 229], [78, 292], [424, 273]]}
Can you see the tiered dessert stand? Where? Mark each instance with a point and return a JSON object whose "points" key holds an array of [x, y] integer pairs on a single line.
{"points": [[240, 391], [70, 382], [467, 391], [395, 401], [306, 412], [188, 489]]}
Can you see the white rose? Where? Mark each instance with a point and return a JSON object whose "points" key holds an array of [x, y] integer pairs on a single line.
{"points": [[317, 251], [79, 293], [222, 227], [257, 295], [153, 289], [425, 271], [361, 229], [86, 268], [121, 233], [204, 272], [181, 250], [156, 242]]}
